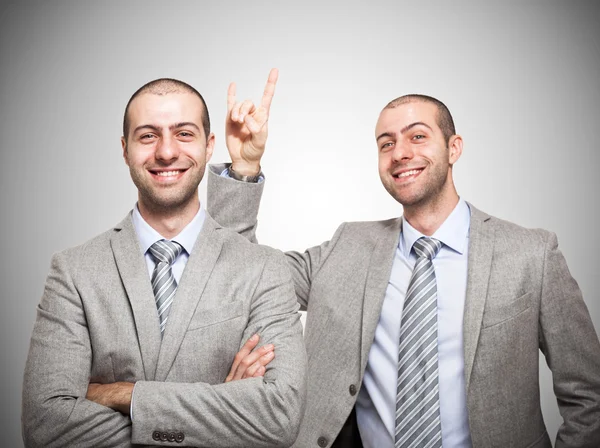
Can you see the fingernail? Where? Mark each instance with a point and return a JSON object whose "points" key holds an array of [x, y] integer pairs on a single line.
{"points": [[269, 355], [269, 347], [254, 337]]}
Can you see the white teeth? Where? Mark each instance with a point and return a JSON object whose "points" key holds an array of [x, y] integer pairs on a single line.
{"points": [[167, 173], [408, 173]]}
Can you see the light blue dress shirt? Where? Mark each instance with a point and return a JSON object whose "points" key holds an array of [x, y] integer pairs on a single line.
{"points": [[147, 236], [376, 403]]}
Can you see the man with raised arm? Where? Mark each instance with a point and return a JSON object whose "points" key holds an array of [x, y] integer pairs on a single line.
{"points": [[137, 328], [425, 330]]}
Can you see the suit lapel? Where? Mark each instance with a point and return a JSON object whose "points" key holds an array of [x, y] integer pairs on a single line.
{"points": [[134, 274], [378, 276], [197, 271], [481, 248]]}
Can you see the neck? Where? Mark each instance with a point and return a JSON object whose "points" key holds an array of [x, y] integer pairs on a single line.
{"points": [[169, 222], [428, 217]]}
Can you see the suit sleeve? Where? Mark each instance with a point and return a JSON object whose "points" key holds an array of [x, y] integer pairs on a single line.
{"points": [[234, 204], [570, 345], [257, 412], [55, 411]]}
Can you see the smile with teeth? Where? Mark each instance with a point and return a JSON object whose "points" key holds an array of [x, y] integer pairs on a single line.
{"points": [[408, 173], [167, 173]]}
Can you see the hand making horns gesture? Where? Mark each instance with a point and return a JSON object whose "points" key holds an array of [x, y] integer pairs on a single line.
{"points": [[246, 128]]}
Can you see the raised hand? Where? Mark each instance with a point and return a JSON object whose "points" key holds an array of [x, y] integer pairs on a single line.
{"points": [[246, 128]]}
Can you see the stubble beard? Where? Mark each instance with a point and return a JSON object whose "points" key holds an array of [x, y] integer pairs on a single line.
{"points": [[431, 191], [167, 198]]}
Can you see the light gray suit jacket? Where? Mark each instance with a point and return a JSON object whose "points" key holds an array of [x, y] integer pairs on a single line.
{"points": [[520, 299], [97, 322]]}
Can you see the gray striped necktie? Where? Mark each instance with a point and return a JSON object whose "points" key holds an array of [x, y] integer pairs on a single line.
{"points": [[164, 253], [417, 400]]}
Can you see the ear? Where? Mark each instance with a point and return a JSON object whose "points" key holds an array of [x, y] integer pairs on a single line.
{"points": [[210, 146], [455, 147], [124, 146]]}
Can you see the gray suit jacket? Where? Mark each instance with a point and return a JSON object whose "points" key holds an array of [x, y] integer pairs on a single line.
{"points": [[97, 322], [520, 299]]}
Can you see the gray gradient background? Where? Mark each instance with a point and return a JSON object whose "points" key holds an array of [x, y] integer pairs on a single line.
{"points": [[522, 81]]}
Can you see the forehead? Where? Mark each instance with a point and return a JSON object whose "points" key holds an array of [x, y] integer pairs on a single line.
{"points": [[396, 118], [149, 108]]}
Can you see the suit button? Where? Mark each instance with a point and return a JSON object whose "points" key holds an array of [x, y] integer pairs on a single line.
{"points": [[171, 437], [179, 437], [156, 436], [322, 442], [164, 437], [352, 389]]}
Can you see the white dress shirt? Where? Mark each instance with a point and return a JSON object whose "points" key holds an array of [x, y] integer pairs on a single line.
{"points": [[376, 403]]}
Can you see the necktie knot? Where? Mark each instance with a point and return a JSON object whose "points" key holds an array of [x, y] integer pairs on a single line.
{"points": [[427, 247], [165, 251]]}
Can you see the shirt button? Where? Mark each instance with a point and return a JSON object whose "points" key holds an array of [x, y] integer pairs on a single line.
{"points": [[322, 442], [352, 389]]}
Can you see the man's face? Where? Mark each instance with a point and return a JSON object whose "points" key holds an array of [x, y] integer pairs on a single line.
{"points": [[166, 149], [414, 159]]}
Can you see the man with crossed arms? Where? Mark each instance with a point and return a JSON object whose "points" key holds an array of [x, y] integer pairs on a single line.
{"points": [[426, 329], [108, 366]]}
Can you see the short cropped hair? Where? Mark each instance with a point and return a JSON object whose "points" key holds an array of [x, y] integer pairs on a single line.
{"points": [[164, 86], [444, 118]]}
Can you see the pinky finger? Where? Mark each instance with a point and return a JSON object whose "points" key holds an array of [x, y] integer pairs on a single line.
{"points": [[250, 371], [259, 372]]}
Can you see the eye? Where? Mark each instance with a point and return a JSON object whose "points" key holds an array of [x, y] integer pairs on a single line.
{"points": [[146, 136], [418, 137], [386, 145], [185, 135]]}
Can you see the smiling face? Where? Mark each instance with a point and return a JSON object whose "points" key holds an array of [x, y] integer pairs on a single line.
{"points": [[166, 150], [415, 161]]}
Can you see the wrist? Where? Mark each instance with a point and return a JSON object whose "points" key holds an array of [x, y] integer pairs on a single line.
{"points": [[123, 397], [244, 168], [234, 174]]}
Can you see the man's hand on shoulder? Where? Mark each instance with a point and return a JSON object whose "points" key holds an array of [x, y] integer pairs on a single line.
{"points": [[250, 364], [246, 128], [116, 396]]}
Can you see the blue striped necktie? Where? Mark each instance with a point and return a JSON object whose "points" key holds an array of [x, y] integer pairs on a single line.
{"points": [[164, 253], [417, 400]]}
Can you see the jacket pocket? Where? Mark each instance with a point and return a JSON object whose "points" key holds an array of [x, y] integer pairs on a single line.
{"points": [[498, 313], [204, 317]]}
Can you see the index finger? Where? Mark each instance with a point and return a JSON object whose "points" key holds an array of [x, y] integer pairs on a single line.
{"points": [[230, 96], [270, 89]]}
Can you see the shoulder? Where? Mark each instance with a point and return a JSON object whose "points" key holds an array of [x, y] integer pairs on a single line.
{"points": [[243, 248], [510, 234], [368, 230], [92, 250]]}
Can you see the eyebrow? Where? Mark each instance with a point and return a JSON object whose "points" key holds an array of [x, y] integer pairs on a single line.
{"points": [[386, 134], [172, 127], [404, 129]]}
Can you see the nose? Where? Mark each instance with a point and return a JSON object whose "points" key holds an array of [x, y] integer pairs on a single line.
{"points": [[166, 149], [402, 152]]}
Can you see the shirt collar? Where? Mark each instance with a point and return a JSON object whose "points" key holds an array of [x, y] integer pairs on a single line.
{"points": [[147, 236], [453, 232]]}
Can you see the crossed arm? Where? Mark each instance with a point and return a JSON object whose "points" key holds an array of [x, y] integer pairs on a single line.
{"points": [[60, 408], [248, 363]]}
